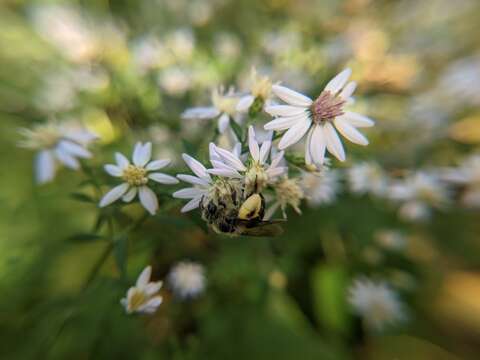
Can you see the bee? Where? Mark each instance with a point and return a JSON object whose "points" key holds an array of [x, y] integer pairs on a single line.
{"points": [[228, 210]]}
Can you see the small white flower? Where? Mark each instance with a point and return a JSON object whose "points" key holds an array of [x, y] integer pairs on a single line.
{"points": [[320, 187], [467, 175], [143, 298], [136, 177], [260, 90], [318, 119], [201, 183], [367, 177], [391, 239], [376, 303], [257, 173], [56, 144], [223, 109], [417, 194], [187, 279]]}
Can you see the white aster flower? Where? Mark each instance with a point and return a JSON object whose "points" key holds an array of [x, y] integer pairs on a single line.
{"points": [[417, 194], [143, 298], [187, 279], [260, 91], [56, 144], [65, 28], [136, 178], [257, 173], [320, 187], [376, 303], [318, 119], [468, 176], [367, 177], [200, 183], [223, 109]]}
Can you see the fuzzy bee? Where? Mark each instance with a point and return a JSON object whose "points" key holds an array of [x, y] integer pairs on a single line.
{"points": [[228, 210]]}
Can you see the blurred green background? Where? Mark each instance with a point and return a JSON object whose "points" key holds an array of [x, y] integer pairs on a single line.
{"points": [[127, 69]]}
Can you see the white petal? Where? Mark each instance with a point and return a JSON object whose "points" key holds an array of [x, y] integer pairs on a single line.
{"points": [[67, 159], [157, 164], [237, 149], [192, 204], [277, 159], [148, 199], [113, 170], [334, 145], [113, 195], [192, 179], [274, 172], [284, 110], [253, 144], [357, 120], [231, 173], [213, 152], [74, 149], [142, 154], [122, 161], [338, 82], [130, 195], [223, 122], [151, 305], [197, 168], [283, 123], [308, 156], [244, 103], [318, 144], [188, 193], [350, 132], [200, 113], [153, 288], [44, 166], [265, 150], [231, 159], [290, 96], [163, 178], [294, 134], [144, 277], [348, 90]]}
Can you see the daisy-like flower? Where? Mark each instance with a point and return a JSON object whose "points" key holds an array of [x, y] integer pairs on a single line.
{"points": [[367, 177], [260, 93], [320, 187], [187, 279], [257, 173], [56, 143], [136, 178], [223, 109], [417, 194], [143, 297], [376, 303], [287, 192], [318, 119]]}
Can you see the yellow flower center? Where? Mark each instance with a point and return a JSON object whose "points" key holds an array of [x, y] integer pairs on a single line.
{"points": [[138, 299], [289, 193], [135, 175], [224, 103], [256, 178]]}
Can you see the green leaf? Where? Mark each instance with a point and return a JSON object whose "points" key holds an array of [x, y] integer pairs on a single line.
{"points": [[329, 284], [285, 308], [120, 253], [83, 197], [85, 237]]}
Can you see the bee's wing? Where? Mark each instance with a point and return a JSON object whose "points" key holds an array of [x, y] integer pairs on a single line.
{"points": [[262, 228]]}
